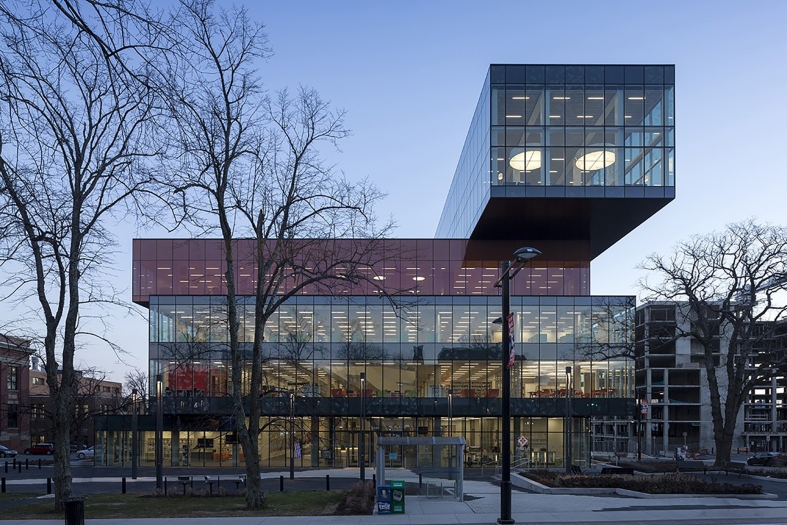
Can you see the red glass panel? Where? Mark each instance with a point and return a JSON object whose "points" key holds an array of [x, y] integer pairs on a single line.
{"points": [[163, 248], [147, 250], [441, 249], [197, 250]]}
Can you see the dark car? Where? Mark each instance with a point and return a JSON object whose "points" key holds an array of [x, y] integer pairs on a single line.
{"points": [[6, 452], [41, 448], [768, 459]]}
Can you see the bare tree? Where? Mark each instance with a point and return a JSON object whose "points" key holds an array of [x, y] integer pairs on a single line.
{"points": [[607, 333], [731, 284], [249, 164], [138, 380], [72, 154]]}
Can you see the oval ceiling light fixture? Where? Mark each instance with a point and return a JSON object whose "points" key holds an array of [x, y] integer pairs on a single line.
{"points": [[595, 160], [378, 278], [418, 278], [525, 159]]}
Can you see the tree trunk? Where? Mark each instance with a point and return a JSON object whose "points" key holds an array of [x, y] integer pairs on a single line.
{"points": [[723, 449], [62, 452]]}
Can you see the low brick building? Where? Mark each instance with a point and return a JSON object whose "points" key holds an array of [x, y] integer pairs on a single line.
{"points": [[14, 392]]}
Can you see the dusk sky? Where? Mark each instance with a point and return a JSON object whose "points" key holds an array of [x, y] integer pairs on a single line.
{"points": [[409, 75]]}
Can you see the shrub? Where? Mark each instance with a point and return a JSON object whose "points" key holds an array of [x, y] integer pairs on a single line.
{"points": [[767, 472], [358, 500], [673, 483]]}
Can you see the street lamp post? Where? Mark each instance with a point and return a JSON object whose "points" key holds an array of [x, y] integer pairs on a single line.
{"points": [[507, 272], [292, 435], [569, 459], [134, 431], [159, 432], [450, 412], [361, 444]]}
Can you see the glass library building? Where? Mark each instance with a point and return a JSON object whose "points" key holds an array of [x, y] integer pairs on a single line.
{"points": [[565, 159]]}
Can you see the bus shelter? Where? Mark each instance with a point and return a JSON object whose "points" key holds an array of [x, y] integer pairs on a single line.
{"points": [[434, 458]]}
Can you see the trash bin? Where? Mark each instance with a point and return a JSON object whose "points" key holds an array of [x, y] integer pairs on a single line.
{"points": [[75, 510]]}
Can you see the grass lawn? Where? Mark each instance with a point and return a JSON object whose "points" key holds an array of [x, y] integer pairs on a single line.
{"points": [[5, 498], [106, 506]]}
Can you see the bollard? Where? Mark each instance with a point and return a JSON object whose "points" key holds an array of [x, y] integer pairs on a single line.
{"points": [[281, 483], [218, 484], [2, 485], [327, 482], [39, 463], [49, 485], [14, 465], [20, 467], [420, 482], [6, 466], [374, 480], [27, 464], [165, 485], [123, 485]]}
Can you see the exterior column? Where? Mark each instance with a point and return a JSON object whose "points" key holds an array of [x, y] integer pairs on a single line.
{"points": [[314, 430]]}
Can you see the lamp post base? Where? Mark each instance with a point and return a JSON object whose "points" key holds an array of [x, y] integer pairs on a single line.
{"points": [[505, 503]]}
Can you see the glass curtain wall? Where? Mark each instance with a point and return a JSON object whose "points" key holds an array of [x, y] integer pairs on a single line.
{"points": [[318, 347]]}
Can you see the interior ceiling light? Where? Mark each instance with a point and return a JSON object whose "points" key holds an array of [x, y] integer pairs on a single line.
{"points": [[418, 278], [378, 278], [595, 160], [525, 159]]}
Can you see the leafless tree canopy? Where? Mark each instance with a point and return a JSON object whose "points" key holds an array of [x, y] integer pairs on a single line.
{"points": [[74, 141], [247, 163], [733, 284]]}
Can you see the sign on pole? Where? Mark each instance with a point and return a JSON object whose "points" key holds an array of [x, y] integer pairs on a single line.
{"points": [[511, 353], [643, 407]]}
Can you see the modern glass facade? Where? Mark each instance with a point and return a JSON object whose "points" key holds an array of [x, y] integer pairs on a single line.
{"points": [[439, 345], [571, 132], [598, 138]]}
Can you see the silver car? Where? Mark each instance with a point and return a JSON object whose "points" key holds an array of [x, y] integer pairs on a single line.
{"points": [[86, 453], [6, 452]]}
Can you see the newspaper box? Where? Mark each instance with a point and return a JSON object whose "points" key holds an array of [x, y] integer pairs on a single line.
{"points": [[383, 499], [397, 497]]}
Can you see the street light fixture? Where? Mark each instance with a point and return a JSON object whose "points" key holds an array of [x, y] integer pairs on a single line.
{"points": [[361, 447], [569, 459], [159, 432], [134, 431], [507, 272]]}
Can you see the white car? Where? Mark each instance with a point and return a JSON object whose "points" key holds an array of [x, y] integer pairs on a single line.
{"points": [[86, 453]]}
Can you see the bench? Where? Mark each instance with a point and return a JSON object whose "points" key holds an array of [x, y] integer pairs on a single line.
{"points": [[682, 465], [210, 481], [736, 467], [613, 471], [241, 479], [185, 480]]}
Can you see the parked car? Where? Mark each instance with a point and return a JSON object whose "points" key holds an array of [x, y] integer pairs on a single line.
{"points": [[41, 448], [6, 452], [87, 453], [768, 459]]}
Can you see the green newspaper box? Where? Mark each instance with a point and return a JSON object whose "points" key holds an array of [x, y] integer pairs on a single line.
{"points": [[397, 497]]}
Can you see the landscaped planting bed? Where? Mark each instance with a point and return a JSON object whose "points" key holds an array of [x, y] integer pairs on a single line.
{"points": [[671, 483]]}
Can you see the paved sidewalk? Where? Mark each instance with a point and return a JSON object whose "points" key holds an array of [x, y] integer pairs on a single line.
{"points": [[482, 506]]}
